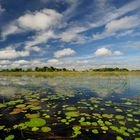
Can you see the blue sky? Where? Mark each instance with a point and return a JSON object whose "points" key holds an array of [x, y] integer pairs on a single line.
{"points": [[79, 34]]}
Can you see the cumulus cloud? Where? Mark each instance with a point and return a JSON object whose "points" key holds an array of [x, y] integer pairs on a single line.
{"points": [[107, 52], [11, 53], [64, 52], [36, 21], [41, 20]]}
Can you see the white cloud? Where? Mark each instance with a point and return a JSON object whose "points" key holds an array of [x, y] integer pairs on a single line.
{"points": [[73, 34], [40, 37], [21, 62], [11, 53], [127, 22], [33, 48], [37, 21], [10, 29], [40, 20], [53, 61], [5, 62], [107, 52], [64, 52], [123, 24]]}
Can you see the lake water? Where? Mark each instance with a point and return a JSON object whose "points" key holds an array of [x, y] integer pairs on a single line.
{"points": [[80, 108]]}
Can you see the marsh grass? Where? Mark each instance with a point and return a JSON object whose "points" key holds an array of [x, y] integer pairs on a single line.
{"points": [[53, 74]]}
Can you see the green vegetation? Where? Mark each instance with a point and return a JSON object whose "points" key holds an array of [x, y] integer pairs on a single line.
{"points": [[67, 73]]}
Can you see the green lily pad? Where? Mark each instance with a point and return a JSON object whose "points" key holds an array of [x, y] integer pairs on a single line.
{"points": [[119, 138], [46, 129], [95, 131], [104, 128], [2, 105], [35, 128], [72, 114], [36, 122], [119, 117], [76, 128], [20, 106], [70, 108], [30, 116], [10, 137]]}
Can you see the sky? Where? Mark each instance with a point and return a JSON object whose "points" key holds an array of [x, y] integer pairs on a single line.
{"points": [[80, 34]]}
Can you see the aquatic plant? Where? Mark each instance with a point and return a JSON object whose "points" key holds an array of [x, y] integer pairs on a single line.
{"points": [[119, 117], [76, 130], [2, 105], [30, 116], [36, 122], [10, 137], [46, 129], [95, 131], [72, 114], [119, 138]]}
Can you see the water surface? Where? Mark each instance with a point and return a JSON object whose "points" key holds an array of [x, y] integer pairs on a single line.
{"points": [[81, 108]]}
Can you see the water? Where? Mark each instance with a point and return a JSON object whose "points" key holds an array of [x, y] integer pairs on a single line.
{"points": [[81, 108]]}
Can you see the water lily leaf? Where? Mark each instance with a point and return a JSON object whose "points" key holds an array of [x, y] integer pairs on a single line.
{"points": [[2, 127], [119, 138], [46, 129], [119, 117], [72, 114], [95, 131], [35, 128], [20, 106], [10, 137], [30, 116], [36, 122], [2, 105]]}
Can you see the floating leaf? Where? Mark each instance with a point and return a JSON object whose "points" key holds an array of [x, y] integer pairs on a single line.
{"points": [[36, 122], [46, 129], [10, 137], [119, 138], [95, 131]]}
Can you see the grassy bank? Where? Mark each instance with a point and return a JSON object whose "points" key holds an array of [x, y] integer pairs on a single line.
{"points": [[52, 74]]}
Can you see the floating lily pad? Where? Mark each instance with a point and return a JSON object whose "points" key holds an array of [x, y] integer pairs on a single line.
{"points": [[72, 114], [10, 137], [35, 128], [46, 129], [95, 131], [2, 105], [119, 117], [2, 127], [20, 106], [36, 122], [119, 138], [30, 116]]}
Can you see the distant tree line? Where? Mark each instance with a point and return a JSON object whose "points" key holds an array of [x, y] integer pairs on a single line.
{"points": [[53, 69], [36, 69], [110, 69]]}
